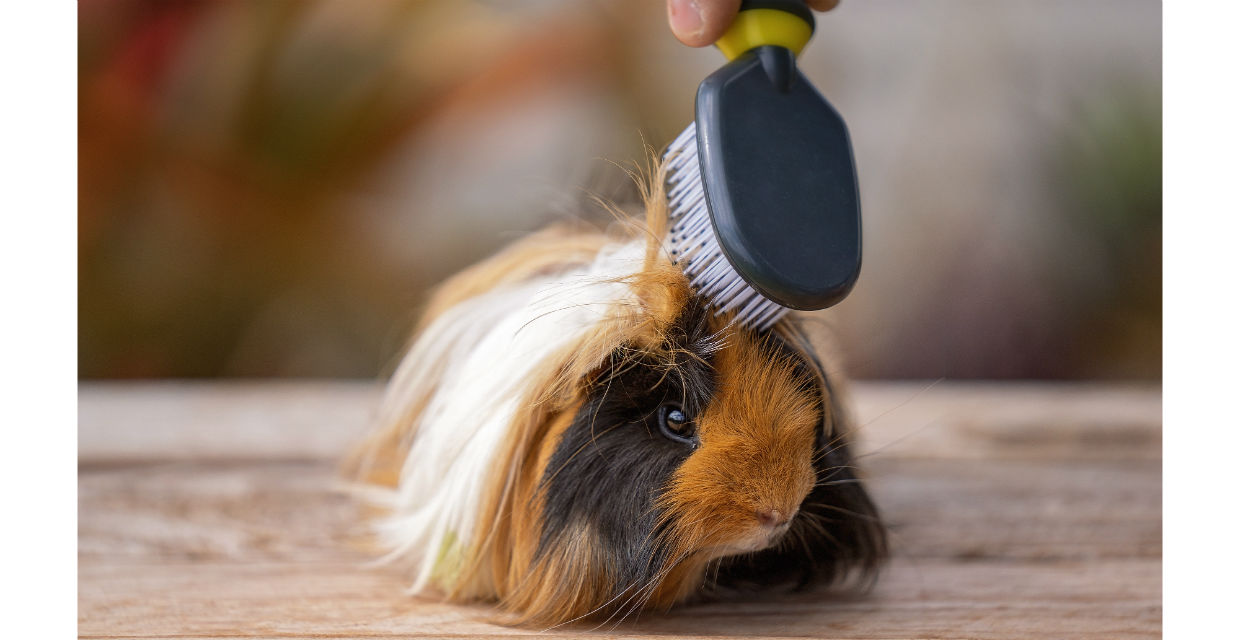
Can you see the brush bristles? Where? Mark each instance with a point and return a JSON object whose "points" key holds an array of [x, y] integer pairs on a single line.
{"points": [[692, 244]]}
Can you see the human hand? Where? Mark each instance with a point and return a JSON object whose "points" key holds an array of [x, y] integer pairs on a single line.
{"points": [[698, 23]]}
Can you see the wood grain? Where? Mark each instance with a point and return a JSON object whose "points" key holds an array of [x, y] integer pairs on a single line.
{"points": [[1030, 511]]}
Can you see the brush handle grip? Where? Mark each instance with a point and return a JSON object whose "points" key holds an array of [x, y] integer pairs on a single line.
{"points": [[799, 8], [783, 23]]}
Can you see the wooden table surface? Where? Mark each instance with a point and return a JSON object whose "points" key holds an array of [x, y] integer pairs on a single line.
{"points": [[1017, 511]]}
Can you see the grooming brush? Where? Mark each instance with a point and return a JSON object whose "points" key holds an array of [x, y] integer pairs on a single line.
{"points": [[764, 213]]}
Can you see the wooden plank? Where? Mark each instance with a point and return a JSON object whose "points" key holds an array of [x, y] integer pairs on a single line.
{"points": [[184, 512], [1027, 511], [121, 422], [193, 549], [926, 600], [1006, 421], [128, 422]]}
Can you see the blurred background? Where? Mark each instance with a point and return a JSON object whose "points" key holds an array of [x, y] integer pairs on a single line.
{"points": [[269, 188]]}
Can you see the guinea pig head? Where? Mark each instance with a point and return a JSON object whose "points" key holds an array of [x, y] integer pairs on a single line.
{"points": [[752, 461]]}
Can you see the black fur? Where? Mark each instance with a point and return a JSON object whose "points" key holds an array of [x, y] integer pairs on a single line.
{"points": [[612, 461]]}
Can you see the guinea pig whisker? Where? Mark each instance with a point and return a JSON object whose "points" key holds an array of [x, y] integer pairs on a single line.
{"points": [[709, 579], [884, 414], [630, 590], [646, 591], [842, 439], [830, 471], [797, 536], [597, 609], [847, 512], [693, 524], [815, 520], [902, 438], [594, 610], [650, 587], [825, 453], [827, 482], [822, 530], [911, 398]]}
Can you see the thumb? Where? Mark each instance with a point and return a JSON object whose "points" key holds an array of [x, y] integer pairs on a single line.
{"points": [[698, 23]]}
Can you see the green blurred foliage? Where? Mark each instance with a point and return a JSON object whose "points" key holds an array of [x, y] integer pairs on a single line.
{"points": [[1107, 172]]}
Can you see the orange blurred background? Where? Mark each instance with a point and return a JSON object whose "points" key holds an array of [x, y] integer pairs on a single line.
{"points": [[269, 188]]}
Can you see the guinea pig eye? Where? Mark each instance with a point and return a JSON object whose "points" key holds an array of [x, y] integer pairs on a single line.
{"points": [[676, 424]]}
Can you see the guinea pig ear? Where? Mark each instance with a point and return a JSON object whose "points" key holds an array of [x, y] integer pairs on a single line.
{"points": [[661, 288], [662, 292]]}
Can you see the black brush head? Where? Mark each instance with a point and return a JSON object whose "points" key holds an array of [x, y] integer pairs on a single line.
{"points": [[780, 180]]}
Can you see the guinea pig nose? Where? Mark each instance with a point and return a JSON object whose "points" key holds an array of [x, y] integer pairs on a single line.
{"points": [[773, 518]]}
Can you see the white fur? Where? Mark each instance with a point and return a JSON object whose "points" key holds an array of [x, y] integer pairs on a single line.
{"points": [[475, 362]]}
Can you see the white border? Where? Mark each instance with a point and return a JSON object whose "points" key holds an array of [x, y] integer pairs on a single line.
{"points": [[38, 126], [1201, 332], [38, 276]]}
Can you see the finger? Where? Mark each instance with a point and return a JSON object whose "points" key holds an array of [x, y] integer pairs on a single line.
{"points": [[698, 23], [823, 5]]}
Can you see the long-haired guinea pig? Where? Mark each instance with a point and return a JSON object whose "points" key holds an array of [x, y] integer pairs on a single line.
{"points": [[574, 435]]}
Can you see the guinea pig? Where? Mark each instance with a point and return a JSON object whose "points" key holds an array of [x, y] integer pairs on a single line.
{"points": [[575, 434]]}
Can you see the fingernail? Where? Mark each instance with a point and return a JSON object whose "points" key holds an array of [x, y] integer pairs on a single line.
{"points": [[685, 17]]}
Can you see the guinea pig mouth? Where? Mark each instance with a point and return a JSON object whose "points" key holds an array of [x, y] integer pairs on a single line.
{"points": [[776, 533], [760, 537]]}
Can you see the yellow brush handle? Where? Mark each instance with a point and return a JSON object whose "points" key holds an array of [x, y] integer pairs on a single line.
{"points": [[761, 26]]}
